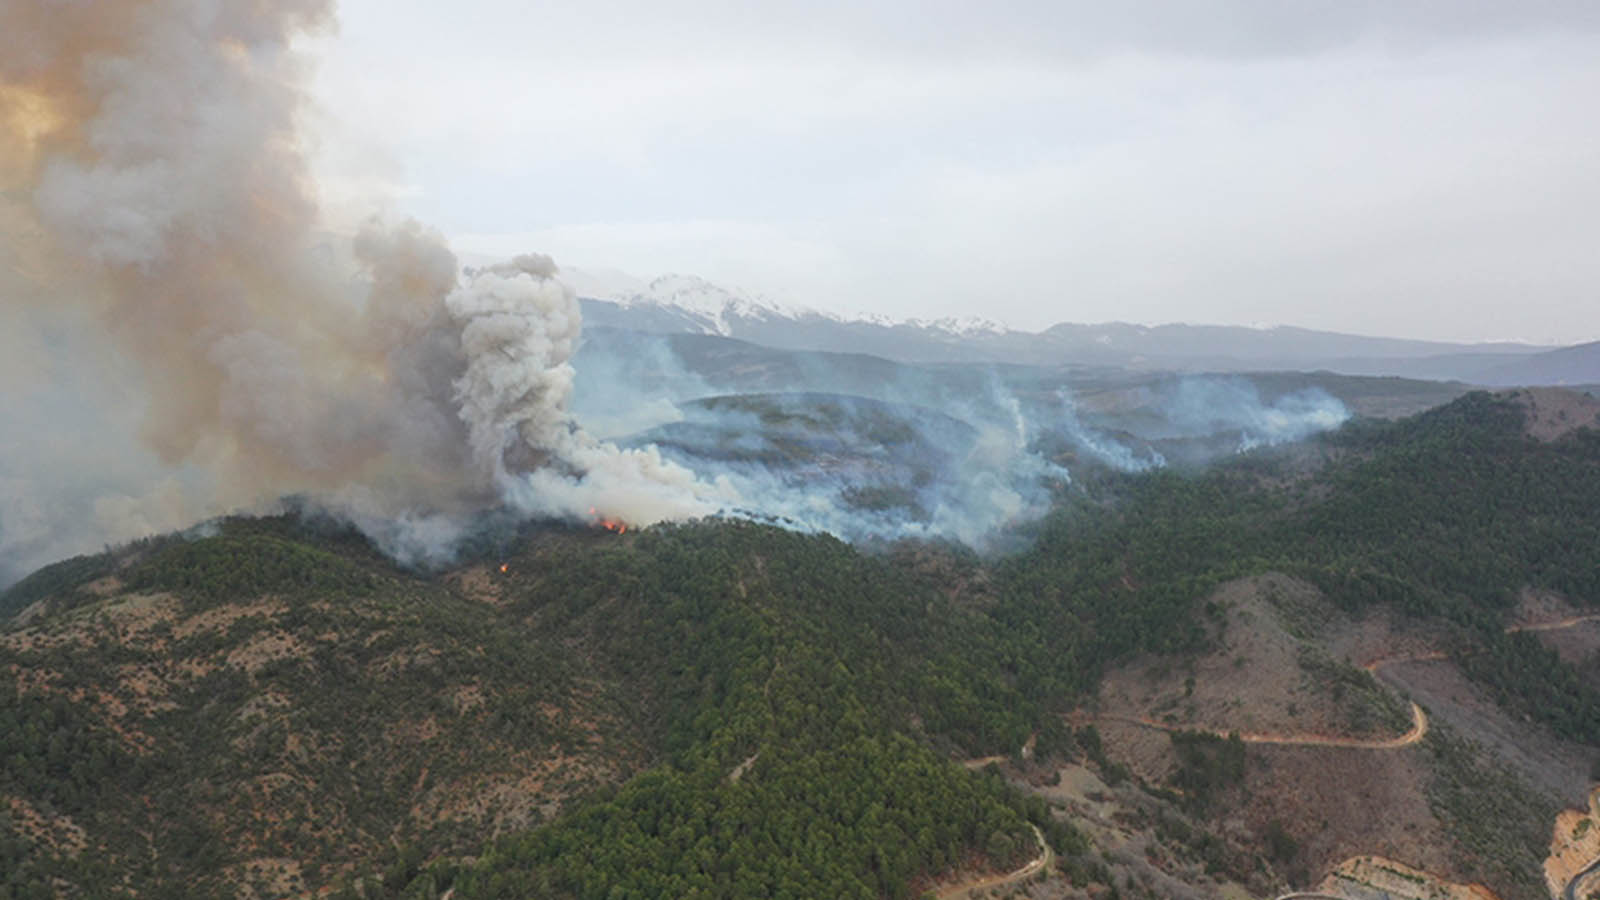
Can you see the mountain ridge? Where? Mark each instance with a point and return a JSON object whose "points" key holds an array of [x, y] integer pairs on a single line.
{"points": [[270, 708], [686, 304]]}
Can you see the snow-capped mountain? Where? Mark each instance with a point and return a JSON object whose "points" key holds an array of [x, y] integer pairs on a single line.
{"points": [[687, 304], [962, 326], [718, 309]]}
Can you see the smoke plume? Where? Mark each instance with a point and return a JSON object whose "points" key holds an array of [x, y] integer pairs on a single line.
{"points": [[156, 207], [1234, 406], [181, 335], [874, 450]]}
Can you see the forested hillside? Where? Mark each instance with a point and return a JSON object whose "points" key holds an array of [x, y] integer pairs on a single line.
{"points": [[717, 709]]}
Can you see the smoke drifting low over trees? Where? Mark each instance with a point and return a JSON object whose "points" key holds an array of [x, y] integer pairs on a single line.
{"points": [[157, 210], [182, 335]]}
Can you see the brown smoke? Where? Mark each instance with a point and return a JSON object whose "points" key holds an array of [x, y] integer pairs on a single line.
{"points": [[152, 175], [159, 177]]}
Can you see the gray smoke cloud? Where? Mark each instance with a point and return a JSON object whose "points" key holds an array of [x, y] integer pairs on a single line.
{"points": [[1101, 446], [871, 450], [1234, 405], [155, 206], [860, 468], [181, 336], [861, 447]]}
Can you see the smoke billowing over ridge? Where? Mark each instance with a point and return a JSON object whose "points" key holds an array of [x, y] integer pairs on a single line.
{"points": [[156, 206], [868, 449], [180, 337]]}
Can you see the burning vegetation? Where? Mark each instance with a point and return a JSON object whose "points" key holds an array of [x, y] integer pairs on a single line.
{"points": [[615, 526]]}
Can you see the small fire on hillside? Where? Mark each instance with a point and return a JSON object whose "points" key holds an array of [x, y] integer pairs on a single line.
{"points": [[615, 526]]}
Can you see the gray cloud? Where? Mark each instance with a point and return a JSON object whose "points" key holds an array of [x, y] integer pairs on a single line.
{"points": [[212, 348], [1352, 166], [1010, 29], [1419, 168]]}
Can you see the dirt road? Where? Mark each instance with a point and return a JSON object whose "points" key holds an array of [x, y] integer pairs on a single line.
{"points": [[1571, 893], [1419, 729], [1037, 865], [1554, 626]]}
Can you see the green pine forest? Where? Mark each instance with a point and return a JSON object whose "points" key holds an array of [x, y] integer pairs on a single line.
{"points": [[781, 713]]}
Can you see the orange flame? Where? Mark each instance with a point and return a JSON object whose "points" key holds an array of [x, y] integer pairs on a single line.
{"points": [[615, 526], [504, 567]]}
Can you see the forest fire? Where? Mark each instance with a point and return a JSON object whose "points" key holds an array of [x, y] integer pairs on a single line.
{"points": [[504, 568], [615, 526]]}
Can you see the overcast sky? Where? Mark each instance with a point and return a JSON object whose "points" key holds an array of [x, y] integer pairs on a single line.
{"points": [[1426, 169]]}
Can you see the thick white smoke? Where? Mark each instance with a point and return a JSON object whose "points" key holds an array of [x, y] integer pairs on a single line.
{"points": [[891, 451], [155, 207], [1207, 410], [519, 328], [1101, 446], [181, 336], [1234, 405]]}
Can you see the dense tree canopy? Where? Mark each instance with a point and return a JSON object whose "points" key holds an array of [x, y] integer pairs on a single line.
{"points": [[789, 705]]}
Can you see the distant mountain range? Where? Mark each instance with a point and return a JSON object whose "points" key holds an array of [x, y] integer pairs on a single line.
{"points": [[1576, 365], [685, 304]]}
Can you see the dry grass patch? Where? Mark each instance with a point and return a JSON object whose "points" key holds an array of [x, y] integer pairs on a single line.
{"points": [[1553, 413], [59, 833], [1574, 844], [1376, 877], [220, 618], [267, 648]]}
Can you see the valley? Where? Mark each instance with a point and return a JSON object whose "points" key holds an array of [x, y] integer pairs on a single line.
{"points": [[1171, 687], [360, 541]]}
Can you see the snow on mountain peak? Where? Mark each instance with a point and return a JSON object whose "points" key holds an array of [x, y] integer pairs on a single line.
{"points": [[693, 293], [717, 307], [966, 326], [711, 304]]}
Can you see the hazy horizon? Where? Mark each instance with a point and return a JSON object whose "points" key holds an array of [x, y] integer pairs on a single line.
{"points": [[1419, 170], [586, 277], [227, 274]]}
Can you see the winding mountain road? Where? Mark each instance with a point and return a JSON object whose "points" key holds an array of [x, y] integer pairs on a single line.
{"points": [[1571, 891], [1037, 865], [1419, 730], [1554, 626], [1419, 718]]}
